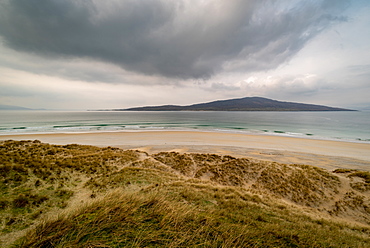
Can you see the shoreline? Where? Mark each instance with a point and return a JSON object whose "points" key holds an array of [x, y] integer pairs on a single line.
{"points": [[192, 130], [328, 154]]}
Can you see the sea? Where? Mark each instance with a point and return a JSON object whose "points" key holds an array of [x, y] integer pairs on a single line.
{"points": [[353, 126]]}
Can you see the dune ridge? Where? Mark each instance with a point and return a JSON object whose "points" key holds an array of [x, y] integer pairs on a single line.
{"points": [[78, 195]]}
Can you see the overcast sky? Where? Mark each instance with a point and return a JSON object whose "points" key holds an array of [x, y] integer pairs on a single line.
{"points": [[89, 54]]}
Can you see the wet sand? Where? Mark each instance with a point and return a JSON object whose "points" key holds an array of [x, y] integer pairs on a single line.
{"points": [[327, 154]]}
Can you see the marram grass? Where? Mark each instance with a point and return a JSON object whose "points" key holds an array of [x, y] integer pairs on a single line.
{"points": [[85, 196]]}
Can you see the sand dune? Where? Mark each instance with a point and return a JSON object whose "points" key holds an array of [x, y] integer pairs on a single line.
{"points": [[48, 192], [327, 154]]}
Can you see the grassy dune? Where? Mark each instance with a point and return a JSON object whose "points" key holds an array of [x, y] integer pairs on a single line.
{"points": [[85, 196]]}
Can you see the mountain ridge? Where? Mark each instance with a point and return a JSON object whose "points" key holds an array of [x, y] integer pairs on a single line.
{"points": [[240, 104]]}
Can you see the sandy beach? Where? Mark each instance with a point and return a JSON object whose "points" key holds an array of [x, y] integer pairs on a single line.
{"points": [[327, 154]]}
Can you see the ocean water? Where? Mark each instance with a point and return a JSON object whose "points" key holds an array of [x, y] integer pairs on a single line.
{"points": [[349, 126]]}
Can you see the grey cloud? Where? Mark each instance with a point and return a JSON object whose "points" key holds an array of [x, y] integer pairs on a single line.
{"points": [[359, 72], [297, 87], [218, 86], [280, 87], [175, 39], [13, 91]]}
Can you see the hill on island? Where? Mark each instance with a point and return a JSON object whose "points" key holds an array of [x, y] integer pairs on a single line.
{"points": [[240, 104]]}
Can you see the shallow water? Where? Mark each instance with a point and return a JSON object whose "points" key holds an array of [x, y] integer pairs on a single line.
{"points": [[349, 126]]}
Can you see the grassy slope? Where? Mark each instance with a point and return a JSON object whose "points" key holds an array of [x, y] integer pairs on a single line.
{"points": [[116, 198]]}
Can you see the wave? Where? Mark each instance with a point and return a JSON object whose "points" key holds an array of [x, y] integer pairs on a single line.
{"points": [[16, 128], [239, 126]]}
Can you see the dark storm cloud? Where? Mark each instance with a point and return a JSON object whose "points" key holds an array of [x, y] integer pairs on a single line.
{"points": [[179, 39]]}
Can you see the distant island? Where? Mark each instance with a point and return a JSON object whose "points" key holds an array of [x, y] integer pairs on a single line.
{"points": [[11, 107], [240, 104]]}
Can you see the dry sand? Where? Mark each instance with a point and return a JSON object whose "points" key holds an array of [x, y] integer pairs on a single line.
{"points": [[327, 154]]}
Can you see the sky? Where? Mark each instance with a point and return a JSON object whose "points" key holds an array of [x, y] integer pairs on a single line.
{"points": [[93, 54]]}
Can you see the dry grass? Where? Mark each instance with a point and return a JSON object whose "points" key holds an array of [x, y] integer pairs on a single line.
{"points": [[306, 185], [174, 200], [36, 177], [122, 219], [157, 219]]}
